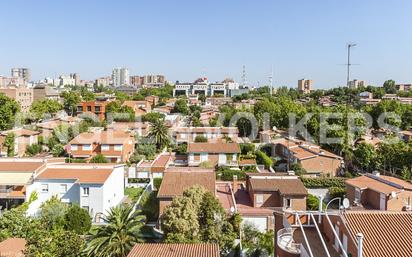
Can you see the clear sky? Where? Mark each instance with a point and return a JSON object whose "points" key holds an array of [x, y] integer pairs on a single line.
{"points": [[186, 39]]}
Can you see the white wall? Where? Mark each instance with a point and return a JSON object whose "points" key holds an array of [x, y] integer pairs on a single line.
{"points": [[113, 189]]}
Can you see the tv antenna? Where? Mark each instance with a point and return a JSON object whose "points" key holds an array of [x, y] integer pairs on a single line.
{"points": [[349, 64]]}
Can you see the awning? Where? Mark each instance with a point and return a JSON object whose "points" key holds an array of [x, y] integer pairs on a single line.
{"points": [[14, 178]]}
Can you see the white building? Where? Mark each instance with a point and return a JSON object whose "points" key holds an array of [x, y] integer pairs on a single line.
{"points": [[205, 88], [120, 77], [356, 83], [94, 187], [23, 73]]}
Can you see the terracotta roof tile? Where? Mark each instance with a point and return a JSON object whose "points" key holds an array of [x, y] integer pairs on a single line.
{"points": [[15, 166], [81, 175], [381, 184], [218, 147], [286, 186], [176, 182], [386, 234], [12, 247], [175, 250]]}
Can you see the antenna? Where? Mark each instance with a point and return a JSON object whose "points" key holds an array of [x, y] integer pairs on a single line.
{"points": [[271, 81], [244, 81], [348, 64]]}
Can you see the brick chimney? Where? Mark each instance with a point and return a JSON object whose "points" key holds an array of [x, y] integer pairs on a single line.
{"points": [[234, 186]]}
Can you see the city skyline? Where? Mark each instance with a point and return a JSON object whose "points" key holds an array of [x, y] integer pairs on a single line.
{"points": [[184, 41]]}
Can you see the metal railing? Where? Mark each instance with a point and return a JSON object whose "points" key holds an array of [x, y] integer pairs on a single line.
{"points": [[286, 242]]}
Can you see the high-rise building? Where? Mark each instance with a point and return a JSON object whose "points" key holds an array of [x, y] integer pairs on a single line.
{"points": [[22, 95], [120, 77], [103, 81], [23, 73], [136, 80], [305, 86], [356, 83], [76, 78]]}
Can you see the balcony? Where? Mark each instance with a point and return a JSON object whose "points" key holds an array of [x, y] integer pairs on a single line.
{"points": [[287, 243]]}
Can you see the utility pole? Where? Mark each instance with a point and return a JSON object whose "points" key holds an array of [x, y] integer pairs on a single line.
{"points": [[350, 45]]}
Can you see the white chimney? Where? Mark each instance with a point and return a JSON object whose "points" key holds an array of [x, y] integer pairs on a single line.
{"points": [[359, 236]]}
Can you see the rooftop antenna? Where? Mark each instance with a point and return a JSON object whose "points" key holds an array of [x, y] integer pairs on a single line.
{"points": [[271, 81], [244, 81], [348, 64]]}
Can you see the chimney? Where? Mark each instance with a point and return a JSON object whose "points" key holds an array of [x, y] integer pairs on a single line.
{"points": [[376, 173], [234, 186], [359, 236]]}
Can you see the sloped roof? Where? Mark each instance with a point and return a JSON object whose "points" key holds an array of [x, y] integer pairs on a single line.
{"points": [[80, 175], [386, 234], [12, 247], [381, 184], [175, 250], [285, 186], [218, 147], [176, 182]]}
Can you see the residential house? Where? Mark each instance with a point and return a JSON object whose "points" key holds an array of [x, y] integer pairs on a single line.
{"points": [[375, 191], [139, 107], [140, 129], [152, 99], [219, 153], [176, 180], [406, 135], [97, 108], [315, 160], [43, 91], [189, 134], [94, 187], [116, 146], [22, 95], [154, 168], [22, 139], [175, 250]]}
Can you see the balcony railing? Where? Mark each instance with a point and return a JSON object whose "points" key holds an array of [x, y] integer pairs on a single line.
{"points": [[286, 242]]}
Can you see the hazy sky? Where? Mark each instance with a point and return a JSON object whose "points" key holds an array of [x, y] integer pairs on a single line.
{"points": [[213, 38]]}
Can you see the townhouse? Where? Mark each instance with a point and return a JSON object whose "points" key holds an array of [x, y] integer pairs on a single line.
{"points": [[379, 192], [256, 198], [97, 108], [116, 146], [219, 153], [152, 168], [189, 134], [315, 160], [22, 139], [94, 187], [176, 180]]}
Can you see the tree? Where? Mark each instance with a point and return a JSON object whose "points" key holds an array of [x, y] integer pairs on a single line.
{"points": [[41, 108], [159, 134], [52, 213], [148, 150], [70, 101], [77, 220], [262, 158], [9, 143], [200, 139], [57, 150], [153, 117], [366, 156], [256, 243], [117, 238], [120, 112], [8, 109], [390, 87], [181, 107], [33, 149], [98, 158], [198, 216]]}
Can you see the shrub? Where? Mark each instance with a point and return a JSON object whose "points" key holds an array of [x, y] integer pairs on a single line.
{"points": [[312, 203], [58, 150], [226, 174], [133, 193], [150, 206], [337, 192], [181, 148], [34, 149], [298, 169], [262, 158], [206, 165], [77, 220], [99, 158], [200, 139], [247, 148], [323, 182], [157, 182]]}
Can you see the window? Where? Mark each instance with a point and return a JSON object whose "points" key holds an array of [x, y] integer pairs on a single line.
{"points": [[79, 109], [87, 147], [287, 203], [105, 147], [118, 147], [44, 188], [89, 108], [73, 147], [183, 135], [86, 191], [63, 188], [259, 199], [97, 109]]}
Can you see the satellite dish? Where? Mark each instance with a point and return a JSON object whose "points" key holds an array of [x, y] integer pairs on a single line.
{"points": [[393, 194], [232, 209], [346, 203]]}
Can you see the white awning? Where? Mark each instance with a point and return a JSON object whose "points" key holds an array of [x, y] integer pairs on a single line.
{"points": [[14, 178]]}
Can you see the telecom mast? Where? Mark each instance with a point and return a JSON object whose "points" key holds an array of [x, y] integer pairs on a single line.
{"points": [[244, 81], [350, 45]]}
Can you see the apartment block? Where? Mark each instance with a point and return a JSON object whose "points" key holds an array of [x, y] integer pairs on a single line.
{"points": [[22, 95], [305, 86]]}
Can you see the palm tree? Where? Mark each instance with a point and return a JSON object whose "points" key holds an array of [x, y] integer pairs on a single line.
{"points": [[117, 238], [159, 134]]}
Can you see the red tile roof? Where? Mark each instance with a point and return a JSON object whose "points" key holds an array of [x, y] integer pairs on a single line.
{"points": [[381, 184], [218, 147], [386, 234], [175, 250], [285, 186], [12, 247], [81, 175], [176, 182]]}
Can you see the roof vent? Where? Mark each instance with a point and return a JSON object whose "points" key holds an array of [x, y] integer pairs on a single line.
{"points": [[291, 173], [376, 173]]}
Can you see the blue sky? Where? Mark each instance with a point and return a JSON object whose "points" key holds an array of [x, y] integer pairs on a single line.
{"points": [[214, 38]]}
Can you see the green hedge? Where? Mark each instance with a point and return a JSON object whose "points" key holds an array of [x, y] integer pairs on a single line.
{"points": [[323, 182], [262, 158], [227, 175], [337, 192]]}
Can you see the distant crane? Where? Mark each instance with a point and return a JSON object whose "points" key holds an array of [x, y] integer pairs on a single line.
{"points": [[350, 45]]}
